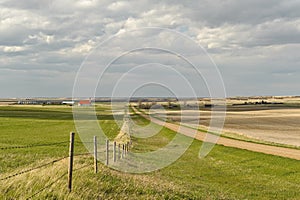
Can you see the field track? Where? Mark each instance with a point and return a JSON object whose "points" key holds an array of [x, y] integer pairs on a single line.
{"points": [[262, 148]]}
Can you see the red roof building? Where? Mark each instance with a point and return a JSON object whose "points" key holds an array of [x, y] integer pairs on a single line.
{"points": [[85, 103]]}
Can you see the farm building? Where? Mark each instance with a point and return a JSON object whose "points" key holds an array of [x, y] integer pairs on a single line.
{"points": [[71, 103], [85, 103]]}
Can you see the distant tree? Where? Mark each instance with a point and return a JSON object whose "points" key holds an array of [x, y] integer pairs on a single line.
{"points": [[169, 103]]}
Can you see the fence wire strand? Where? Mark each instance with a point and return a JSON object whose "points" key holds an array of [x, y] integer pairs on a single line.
{"points": [[83, 142], [56, 180], [41, 166], [82, 154], [47, 186], [33, 145], [32, 169], [79, 168], [49, 163]]}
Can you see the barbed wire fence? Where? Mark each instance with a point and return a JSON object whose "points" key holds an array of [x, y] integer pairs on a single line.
{"points": [[119, 151], [32, 145]]}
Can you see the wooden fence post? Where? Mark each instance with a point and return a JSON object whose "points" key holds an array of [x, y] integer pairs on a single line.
{"points": [[95, 155], [71, 154], [123, 150], [119, 151], [107, 152], [114, 151]]}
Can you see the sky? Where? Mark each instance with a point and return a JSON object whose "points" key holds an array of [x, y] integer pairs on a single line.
{"points": [[253, 44]]}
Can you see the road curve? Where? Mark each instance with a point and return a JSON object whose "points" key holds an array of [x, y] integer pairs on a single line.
{"points": [[262, 148]]}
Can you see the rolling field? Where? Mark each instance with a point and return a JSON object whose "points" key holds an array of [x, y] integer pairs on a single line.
{"points": [[271, 124], [226, 173]]}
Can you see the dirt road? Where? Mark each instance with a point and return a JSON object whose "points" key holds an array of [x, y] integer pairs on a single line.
{"points": [[262, 148]]}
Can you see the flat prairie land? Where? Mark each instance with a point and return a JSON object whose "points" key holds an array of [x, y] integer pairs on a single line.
{"points": [[277, 124], [226, 173]]}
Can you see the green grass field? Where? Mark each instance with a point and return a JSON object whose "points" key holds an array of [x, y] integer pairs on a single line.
{"points": [[226, 173]]}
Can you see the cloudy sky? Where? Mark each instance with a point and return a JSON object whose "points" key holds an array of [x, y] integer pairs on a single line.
{"points": [[254, 43]]}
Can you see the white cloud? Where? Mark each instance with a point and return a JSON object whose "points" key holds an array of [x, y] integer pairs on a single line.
{"points": [[84, 48], [11, 49], [119, 5], [246, 38], [86, 3]]}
